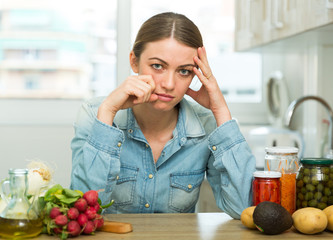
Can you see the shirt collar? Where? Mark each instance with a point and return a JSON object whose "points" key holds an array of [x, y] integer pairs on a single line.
{"points": [[188, 124]]}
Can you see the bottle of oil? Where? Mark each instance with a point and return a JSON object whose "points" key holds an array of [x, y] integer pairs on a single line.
{"points": [[19, 219]]}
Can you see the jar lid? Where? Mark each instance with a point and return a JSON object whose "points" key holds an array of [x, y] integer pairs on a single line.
{"points": [[281, 149], [267, 174], [314, 161]]}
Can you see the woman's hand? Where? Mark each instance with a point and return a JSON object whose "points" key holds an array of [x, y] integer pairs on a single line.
{"points": [[209, 95], [134, 90]]}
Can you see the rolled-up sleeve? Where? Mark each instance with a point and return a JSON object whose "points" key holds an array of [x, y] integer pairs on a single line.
{"points": [[230, 169]]}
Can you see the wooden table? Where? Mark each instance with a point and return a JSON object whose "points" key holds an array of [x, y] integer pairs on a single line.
{"points": [[189, 226]]}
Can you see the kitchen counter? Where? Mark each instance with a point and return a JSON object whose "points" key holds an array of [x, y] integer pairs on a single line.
{"points": [[189, 226]]}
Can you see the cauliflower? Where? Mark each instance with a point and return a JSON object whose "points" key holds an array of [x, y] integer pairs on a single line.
{"points": [[39, 177]]}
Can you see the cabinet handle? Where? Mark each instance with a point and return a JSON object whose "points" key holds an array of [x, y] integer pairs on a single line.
{"points": [[276, 10], [249, 18], [329, 3]]}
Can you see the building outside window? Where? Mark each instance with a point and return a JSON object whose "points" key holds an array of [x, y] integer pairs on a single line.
{"points": [[69, 49], [62, 50]]}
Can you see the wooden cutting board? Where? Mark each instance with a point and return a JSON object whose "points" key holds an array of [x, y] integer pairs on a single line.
{"points": [[116, 227]]}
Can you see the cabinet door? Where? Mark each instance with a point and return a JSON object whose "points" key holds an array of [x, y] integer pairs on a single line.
{"points": [[248, 32], [318, 14], [284, 18], [262, 21]]}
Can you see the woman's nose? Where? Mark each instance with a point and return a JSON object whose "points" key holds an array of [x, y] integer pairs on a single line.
{"points": [[168, 81]]}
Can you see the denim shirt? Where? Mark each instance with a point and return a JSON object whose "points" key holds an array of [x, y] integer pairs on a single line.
{"points": [[119, 160]]}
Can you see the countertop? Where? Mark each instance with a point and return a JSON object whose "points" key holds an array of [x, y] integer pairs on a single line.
{"points": [[188, 226]]}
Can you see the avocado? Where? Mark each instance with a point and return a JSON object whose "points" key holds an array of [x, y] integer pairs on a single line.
{"points": [[271, 218]]}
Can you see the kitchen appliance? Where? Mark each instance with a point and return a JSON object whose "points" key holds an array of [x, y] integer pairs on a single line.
{"points": [[276, 134]]}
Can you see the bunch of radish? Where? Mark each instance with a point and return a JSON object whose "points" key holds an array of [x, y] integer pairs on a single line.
{"points": [[69, 213]]}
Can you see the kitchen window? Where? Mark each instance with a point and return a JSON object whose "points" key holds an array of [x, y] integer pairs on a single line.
{"points": [[57, 50], [74, 50]]}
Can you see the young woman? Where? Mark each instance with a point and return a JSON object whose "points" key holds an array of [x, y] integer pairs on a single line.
{"points": [[147, 147]]}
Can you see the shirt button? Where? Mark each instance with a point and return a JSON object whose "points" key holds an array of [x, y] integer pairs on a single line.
{"points": [[150, 176], [117, 177], [214, 148], [189, 186], [119, 144], [147, 145], [130, 130], [147, 205]]}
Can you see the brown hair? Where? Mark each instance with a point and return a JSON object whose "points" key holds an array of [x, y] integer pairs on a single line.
{"points": [[166, 25]]}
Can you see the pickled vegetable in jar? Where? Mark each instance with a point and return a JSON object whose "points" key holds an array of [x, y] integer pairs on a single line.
{"points": [[285, 161], [266, 187], [314, 183]]}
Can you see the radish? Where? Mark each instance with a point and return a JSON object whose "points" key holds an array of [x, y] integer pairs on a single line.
{"points": [[55, 211], [74, 228], [57, 230], [91, 213], [82, 219], [91, 196], [81, 204], [90, 227], [97, 207], [73, 213], [98, 221], [61, 220]]}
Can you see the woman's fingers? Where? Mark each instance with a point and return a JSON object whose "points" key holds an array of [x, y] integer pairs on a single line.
{"points": [[141, 88], [202, 63], [200, 75]]}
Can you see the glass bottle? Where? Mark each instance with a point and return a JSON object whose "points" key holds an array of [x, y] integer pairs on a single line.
{"points": [[266, 187], [20, 218], [284, 160], [315, 183]]}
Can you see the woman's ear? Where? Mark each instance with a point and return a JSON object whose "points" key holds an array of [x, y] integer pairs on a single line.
{"points": [[134, 62]]}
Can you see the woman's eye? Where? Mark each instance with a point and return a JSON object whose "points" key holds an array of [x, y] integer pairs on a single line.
{"points": [[185, 72], [157, 66]]}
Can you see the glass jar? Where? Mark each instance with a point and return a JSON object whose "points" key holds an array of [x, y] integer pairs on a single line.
{"points": [[285, 161], [20, 218], [266, 187], [315, 183]]}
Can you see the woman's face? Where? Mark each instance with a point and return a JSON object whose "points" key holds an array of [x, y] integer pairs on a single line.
{"points": [[170, 64]]}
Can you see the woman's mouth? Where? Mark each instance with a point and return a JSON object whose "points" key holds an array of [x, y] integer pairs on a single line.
{"points": [[164, 97]]}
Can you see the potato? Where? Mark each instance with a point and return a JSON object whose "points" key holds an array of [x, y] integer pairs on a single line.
{"points": [[329, 213], [309, 220], [247, 217]]}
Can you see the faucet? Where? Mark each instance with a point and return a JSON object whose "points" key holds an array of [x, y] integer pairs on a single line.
{"points": [[294, 104]]}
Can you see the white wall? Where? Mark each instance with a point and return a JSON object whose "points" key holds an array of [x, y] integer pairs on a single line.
{"points": [[37, 130]]}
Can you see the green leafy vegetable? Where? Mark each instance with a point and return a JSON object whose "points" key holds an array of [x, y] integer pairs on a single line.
{"points": [[63, 200]]}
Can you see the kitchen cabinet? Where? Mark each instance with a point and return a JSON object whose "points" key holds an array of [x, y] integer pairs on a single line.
{"points": [[260, 22], [249, 17]]}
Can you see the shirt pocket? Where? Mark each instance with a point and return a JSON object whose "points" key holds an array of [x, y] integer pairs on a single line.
{"points": [[124, 191], [184, 189]]}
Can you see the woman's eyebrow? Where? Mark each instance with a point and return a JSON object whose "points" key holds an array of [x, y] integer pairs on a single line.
{"points": [[165, 63], [156, 58], [187, 65]]}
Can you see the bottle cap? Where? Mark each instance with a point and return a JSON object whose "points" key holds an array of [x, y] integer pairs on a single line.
{"points": [[267, 174], [282, 149], [314, 161]]}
